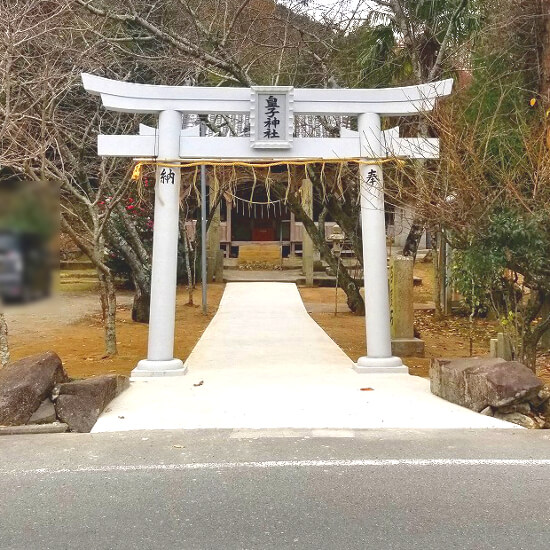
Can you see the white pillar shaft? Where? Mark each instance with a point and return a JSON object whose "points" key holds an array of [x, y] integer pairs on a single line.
{"points": [[379, 354], [164, 266], [374, 239], [165, 242], [162, 317]]}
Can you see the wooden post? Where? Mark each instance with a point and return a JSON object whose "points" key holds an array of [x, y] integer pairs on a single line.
{"points": [[292, 235], [213, 237], [307, 243], [402, 308], [228, 229]]}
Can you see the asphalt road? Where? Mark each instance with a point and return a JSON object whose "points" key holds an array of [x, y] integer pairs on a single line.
{"points": [[262, 490]]}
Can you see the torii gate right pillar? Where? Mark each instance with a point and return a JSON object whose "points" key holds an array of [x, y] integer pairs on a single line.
{"points": [[379, 357]]}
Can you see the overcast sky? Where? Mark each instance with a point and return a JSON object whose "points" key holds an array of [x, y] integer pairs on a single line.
{"points": [[334, 10]]}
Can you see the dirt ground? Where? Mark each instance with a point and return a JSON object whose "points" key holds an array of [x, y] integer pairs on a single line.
{"points": [[449, 337], [71, 326], [80, 344]]}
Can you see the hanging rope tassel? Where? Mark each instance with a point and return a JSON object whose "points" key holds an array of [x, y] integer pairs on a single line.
{"points": [[194, 183], [136, 174], [322, 178], [289, 183], [399, 162], [253, 185]]}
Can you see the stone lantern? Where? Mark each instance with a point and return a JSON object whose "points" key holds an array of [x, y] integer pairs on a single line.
{"points": [[337, 238]]}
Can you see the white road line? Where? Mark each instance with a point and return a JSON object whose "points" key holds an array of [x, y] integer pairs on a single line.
{"points": [[412, 462]]}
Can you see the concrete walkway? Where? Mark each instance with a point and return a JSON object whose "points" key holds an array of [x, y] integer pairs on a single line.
{"points": [[264, 363]]}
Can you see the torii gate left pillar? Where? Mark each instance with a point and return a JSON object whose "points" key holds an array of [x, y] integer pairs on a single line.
{"points": [[162, 317]]}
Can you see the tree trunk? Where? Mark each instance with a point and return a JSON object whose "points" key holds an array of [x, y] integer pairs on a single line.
{"points": [[4, 349], [346, 214], [213, 233], [436, 245], [348, 222], [545, 49], [198, 236], [108, 306], [419, 223], [140, 268], [346, 282], [110, 325], [413, 238], [107, 293], [140, 304], [529, 352], [187, 258], [533, 333], [545, 314]]}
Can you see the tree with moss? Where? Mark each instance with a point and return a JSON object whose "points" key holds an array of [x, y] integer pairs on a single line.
{"points": [[491, 190]]}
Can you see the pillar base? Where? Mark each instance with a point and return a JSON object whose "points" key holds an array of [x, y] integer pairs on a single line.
{"points": [[172, 367], [380, 365]]}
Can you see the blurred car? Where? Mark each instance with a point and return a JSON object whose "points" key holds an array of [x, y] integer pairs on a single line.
{"points": [[25, 267]]}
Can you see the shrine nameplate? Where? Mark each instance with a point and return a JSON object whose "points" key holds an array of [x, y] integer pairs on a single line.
{"points": [[272, 117]]}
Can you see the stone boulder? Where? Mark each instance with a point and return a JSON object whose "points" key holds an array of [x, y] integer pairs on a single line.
{"points": [[520, 419], [542, 399], [45, 414], [80, 403], [24, 384], [502, 384], [477, 383], [448, 378]]}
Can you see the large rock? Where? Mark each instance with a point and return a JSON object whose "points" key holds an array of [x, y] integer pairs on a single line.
{"points": [[45, 414], [80, 403], [544, 411], [542, 397], [24, 384], [477, 383], [520, 419], [448, 379], [501, 384]]}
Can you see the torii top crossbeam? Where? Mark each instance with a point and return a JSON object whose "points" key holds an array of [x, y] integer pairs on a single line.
{"points": [[266, 132], [128, 97]]}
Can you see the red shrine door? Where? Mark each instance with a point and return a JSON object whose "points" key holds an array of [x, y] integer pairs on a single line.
{"points": [[263, 230]]}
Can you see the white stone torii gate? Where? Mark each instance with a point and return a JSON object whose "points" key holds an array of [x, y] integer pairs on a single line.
{"points": [[272, 110]]}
